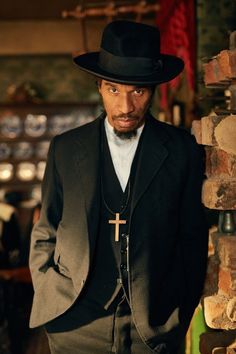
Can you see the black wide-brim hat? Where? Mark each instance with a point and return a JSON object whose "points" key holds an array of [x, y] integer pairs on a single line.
{"points": [[130, 54]]}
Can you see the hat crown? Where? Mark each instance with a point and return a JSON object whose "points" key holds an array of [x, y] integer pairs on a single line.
{"points": [[120, 39], [130, 54]]}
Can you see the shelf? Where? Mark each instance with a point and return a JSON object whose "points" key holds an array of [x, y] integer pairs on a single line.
{"points": [[35, 124]]}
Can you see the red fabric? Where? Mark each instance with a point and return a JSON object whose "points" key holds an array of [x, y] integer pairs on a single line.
{"points": [[176, 21]]}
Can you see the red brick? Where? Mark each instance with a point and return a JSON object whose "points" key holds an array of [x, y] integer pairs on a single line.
{"points": [[227, 282], [209, 123], [211, 281], [215, 311], [227, 251], [209, 74], [225, 134], [219, 163], [213, 73], [220, 194], [227, 62], [214, 237], [231, 309], [213, 240]]}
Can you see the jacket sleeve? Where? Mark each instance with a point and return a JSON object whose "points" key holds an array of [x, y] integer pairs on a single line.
{"points": [[193, 231], [43, 237]]}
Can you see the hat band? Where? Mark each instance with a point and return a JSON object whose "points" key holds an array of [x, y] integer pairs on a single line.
{"points": [[128, 66]]}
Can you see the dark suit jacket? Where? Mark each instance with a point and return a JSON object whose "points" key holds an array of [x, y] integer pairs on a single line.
{"points": [[168, 233]]}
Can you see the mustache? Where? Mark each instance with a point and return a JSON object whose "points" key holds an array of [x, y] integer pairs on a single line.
{"points": [[125, 116]]}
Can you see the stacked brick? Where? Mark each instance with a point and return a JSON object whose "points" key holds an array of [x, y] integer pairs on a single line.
{"points": [[218, 134], [221, 68]]}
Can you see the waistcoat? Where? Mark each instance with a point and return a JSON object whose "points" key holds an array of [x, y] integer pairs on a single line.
{"points": [[108, 275]]}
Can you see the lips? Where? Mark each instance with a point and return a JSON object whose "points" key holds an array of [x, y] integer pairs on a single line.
{"points": [[126, 121], [123, 122], [125, 118]]}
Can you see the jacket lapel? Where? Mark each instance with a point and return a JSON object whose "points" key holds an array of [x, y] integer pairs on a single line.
{"points": [[152, 155], [88, 167]]}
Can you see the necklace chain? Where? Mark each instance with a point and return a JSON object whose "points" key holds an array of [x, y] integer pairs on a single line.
{"points": [[123, 207]]}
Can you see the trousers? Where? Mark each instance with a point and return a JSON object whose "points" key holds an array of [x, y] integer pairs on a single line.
{"points": [[86, 328]]}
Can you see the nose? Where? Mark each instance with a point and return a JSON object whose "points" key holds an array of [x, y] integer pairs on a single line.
{"points": [[126, 104]]}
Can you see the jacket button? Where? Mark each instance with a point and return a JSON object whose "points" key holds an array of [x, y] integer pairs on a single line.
{"points": [[123, 266]]}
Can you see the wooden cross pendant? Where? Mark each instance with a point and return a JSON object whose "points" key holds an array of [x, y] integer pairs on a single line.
{"points": [[117, 222]]}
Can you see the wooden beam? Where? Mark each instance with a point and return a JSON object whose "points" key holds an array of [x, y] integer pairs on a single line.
{"points": [[112, 10], [50, 37], [47, 37]]}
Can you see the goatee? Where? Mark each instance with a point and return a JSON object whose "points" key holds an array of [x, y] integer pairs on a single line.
{"points": [[125, 135]]}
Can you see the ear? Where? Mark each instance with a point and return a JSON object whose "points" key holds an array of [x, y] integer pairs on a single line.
{"points": [[99, 84]]}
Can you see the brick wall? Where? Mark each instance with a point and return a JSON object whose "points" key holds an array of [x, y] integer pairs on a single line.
{"points": [[218, 134]]}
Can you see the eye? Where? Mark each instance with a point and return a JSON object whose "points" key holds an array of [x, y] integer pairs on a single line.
{"points": [[138, 91], [113, 89]]}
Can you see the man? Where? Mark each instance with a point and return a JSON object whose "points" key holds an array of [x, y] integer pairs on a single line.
{"points": [[118, 256]]}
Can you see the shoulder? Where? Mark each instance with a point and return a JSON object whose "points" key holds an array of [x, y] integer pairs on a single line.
{"points": [[174, 133], [78, 132], [179, 140], [73, 144]]}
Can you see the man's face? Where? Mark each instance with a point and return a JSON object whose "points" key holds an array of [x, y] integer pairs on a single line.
{"points": [[125, 105]]}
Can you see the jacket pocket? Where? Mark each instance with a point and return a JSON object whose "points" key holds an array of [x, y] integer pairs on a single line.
{"points": [[60, 267]]}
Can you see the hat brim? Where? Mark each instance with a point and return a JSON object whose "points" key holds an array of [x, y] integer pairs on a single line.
{"points": [[172, 67]]}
